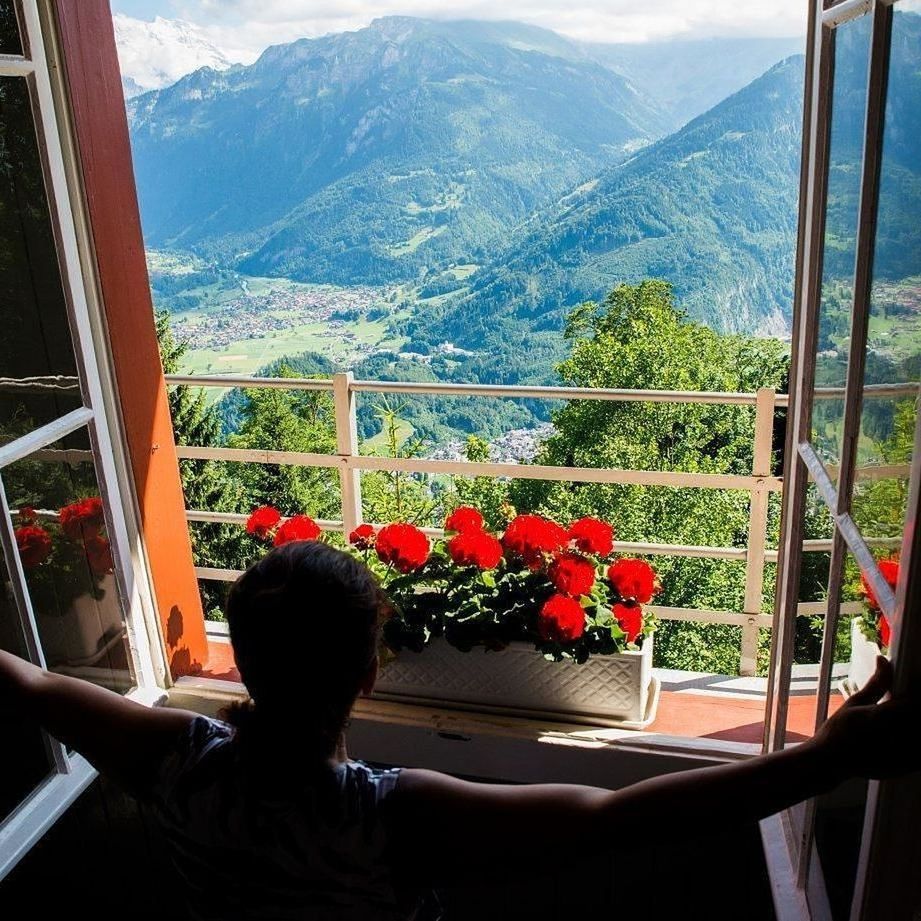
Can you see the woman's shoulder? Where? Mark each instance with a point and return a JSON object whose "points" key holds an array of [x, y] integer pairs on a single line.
{"points": [[380, 781], [196, 746]]}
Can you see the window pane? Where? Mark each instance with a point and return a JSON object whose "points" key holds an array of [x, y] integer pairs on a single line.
{"points": [[852, 50], [888, 415], [38, 370], [25, 762], [10, 43], [64, 546]]}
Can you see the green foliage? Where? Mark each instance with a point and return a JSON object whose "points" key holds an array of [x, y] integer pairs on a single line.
{"points": [[285, 420], [392, 495], [638, 339], [488, 494]]}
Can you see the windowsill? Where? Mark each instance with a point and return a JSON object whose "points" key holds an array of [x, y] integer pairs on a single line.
{"points": [[710, 717]]}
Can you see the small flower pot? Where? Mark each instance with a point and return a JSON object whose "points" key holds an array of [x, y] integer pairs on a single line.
{"points": [[863, 660], [612, 690], [77, 636]]}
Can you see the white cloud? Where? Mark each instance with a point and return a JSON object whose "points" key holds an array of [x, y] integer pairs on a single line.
{"points": [[244, 27]]}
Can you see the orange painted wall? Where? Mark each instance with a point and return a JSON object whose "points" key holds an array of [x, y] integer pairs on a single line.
{"points": [[94, 86]]}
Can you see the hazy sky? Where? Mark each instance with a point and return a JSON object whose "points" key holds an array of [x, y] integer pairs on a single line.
{"points": [[248, 26]]}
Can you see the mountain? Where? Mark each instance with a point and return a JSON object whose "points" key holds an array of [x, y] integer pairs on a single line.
{"points": [[711, 208], [685, 78], [154, 54], [368, 156]]}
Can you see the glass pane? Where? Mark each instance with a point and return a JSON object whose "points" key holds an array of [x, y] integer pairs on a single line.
{"points": [[64, 546], [852, 51], [893, 371], [817, 533], [839, 814], [25, 761], [10, 42], [38, 371]]}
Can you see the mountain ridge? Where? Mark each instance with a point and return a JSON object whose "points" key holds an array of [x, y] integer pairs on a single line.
{"points": [[344, 156]]}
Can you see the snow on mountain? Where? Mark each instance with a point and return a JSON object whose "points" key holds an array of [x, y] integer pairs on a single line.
{"points": [[155, 54]]}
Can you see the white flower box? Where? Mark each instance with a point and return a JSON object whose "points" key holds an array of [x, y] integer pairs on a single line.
{"points": [[611, 690], [80, 634], [863, 660]]}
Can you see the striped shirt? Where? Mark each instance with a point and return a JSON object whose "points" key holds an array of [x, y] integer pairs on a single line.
{"points": [[317, 852]]}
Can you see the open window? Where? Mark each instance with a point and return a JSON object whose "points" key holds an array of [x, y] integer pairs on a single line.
{"points": [[71, 599], [853, 433]]}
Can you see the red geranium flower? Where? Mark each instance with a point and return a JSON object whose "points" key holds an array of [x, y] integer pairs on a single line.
{"points": [[362, 537], [572, 575], [403, 546], [630, 618], [561, 619], [83, 519], [297, 527], [475, 548], [27, 515], [464, 518], [885, 631], [531, 536], [34, 544], [633, 579], [889, 569], [99, 555], [591, 535], [262, 521]]}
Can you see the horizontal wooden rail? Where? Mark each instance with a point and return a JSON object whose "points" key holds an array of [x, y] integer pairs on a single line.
{"points": [[510, 391], [667, 478]]}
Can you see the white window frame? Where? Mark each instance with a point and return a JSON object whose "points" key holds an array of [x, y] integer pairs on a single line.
{"points": [[70, 772]]}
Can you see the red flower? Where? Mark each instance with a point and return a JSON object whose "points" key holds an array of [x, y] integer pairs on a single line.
{"points": [[633, 579], [630, 618], [99, 555], [27, 515], [362, 537], [889, 569], [34, 544], [475, 548], [572, 575], [464, 518], [591, 535], [885, 631], [531, 537], [83, 519], [403, 546], [561, 619], [297, 527], [262, 521]]}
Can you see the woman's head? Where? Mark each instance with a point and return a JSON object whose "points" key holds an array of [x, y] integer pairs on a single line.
{"points": [[304, 624]]}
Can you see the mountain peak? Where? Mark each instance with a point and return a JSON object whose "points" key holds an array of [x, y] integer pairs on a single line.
{"points": [[156, 53]]}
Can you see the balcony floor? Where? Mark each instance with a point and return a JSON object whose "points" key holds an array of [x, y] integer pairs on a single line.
{"points": [[691, 704]]}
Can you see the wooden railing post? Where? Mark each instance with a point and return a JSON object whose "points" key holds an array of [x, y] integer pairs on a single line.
{"points": [[757, 530], [346, 449]]}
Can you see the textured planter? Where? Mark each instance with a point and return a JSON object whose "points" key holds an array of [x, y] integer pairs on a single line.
{"points": [[617, 690], [77, 636], [863, 660]]}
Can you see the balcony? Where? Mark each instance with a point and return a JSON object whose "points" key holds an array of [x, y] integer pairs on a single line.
{"points": [[723, 712]]}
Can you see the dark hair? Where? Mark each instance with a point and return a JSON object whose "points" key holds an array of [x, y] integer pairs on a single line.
{"points": [[304, 624]]}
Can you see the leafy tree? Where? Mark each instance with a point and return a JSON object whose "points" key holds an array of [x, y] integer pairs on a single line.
{"points": [[286, 420], [639, 339]]}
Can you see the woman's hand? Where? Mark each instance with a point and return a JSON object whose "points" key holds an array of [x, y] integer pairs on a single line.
{"points": [[870, 738]]}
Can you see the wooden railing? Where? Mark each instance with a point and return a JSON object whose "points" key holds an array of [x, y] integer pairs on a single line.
{"points": [[350, 462]]}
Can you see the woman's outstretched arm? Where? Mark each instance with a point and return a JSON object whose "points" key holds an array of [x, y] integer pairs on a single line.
{"points": [[119, 737], [450, 829]]}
